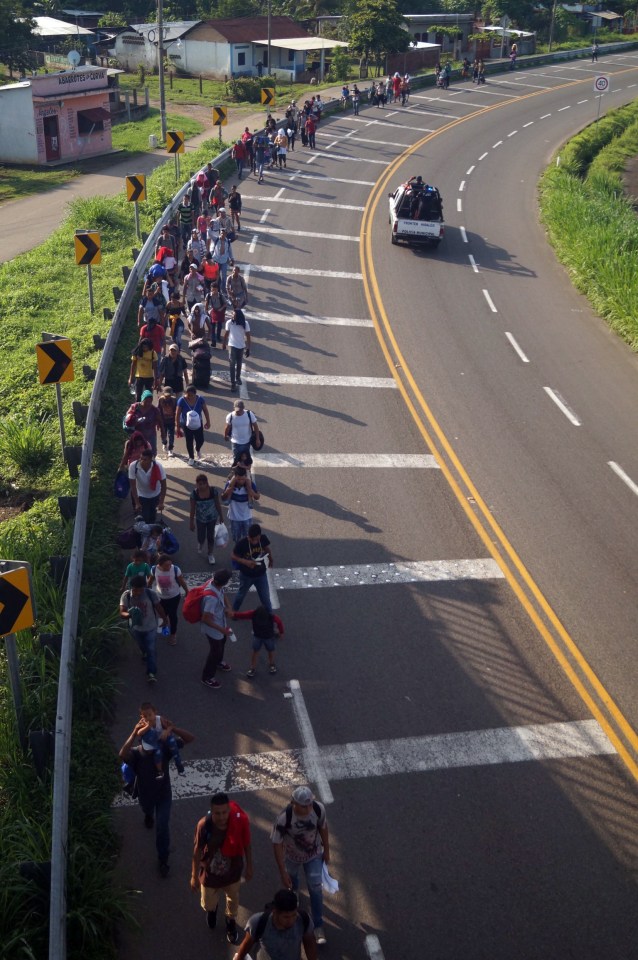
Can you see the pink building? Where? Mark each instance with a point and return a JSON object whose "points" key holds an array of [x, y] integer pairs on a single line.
{"points": [[56, 117]]}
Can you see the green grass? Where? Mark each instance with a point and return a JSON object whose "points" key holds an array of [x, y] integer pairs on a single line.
{"points": [[16, 182], [133, 137], [591, 224]]}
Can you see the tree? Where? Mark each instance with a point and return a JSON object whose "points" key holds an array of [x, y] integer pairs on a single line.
{"points": [[375, 28], [112, 19], [16, 38]]}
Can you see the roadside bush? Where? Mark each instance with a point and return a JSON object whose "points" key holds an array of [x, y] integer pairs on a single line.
{"points": [[26, 441], [249, 88]]}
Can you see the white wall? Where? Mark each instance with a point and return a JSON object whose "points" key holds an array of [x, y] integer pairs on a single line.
{"points": [[202, 56], [18, 142], [131, 55]]}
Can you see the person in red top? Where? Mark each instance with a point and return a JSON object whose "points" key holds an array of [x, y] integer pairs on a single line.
{"points": [[310, 127], [239, 156], [154, 332], [266, 628], [222, 849], [248, 142]]}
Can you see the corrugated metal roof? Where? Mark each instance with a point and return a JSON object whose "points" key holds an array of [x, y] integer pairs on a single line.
{"points": [[50, 27]]}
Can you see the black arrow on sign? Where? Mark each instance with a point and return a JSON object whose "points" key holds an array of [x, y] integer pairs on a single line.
{"points": [[176, 144], [138, 188], [60, 361], [14, 601], [91, 248]]}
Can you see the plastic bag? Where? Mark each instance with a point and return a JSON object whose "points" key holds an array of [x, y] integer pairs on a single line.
{"points": [[222, 537], [169, 543], [329, 884]]}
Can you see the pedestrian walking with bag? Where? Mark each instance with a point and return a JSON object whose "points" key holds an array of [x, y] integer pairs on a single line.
{"points": [[237, 341], [215, 610], [279, 931], [240, 428], [253, 556], [222, 851], [205, 514], [142, 609], [301, 840], [190, 416], [148, 486], [169, 582]]}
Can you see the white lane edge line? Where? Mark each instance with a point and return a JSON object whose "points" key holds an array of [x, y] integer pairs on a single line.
{"points": [[314, 765], [473, 262], [373, 947], [490, 302], [618, 470], [511, 339], [562, 406], [253, 243], [464, 234]]}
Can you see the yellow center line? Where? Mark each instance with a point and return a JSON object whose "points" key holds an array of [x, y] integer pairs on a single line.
{"points": [[615, 725]]}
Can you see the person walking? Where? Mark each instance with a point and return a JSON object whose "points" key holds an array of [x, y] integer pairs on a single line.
{"points": [[148, 485], [205, 514], [594, 52], [239, 429], [260, 158], [238, 154], [169, 584], [216, 609], [236, 289], [300, 839], [142, 609], [166, 404], [239, 493], [146, 418], [237, 341], [191, 410], [216, 305], [143, 372], [234, 205], [281, 141], [356, 99], [154, 794], [267, 628], [280, 930], [173, 370], [222, 851], [253, 556], [222, 251], [311, 128]]}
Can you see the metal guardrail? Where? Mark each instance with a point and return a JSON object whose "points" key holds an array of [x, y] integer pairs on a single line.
{"points": [[64, 712]]}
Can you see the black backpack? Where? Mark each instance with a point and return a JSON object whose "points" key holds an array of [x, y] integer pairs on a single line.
{"points": [[263, 920]]}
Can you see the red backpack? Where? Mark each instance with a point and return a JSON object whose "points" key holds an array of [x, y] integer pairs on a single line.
{"points": [[192, 606]]}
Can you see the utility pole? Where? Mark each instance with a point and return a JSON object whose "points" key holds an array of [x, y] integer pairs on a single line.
{"points": [[269, 38], [160, 65]]}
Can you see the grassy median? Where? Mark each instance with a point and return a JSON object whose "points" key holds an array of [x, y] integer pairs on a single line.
{"points": [[590, 221]]}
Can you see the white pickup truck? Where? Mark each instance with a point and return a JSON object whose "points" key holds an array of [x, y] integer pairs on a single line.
{"points": [[416, 213]]}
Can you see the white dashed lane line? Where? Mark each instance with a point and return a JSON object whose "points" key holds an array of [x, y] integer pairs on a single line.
{"points": [[545, 116], [562, 406], [253, 244], [373, 947], [512, 134], [483, 156], [623, 476], [497, 144], [560, 109], [511, 339], [463, 234], [461, 186], [581, 101], [473, 262], [528, 124], [468, 172], [490, 302], [459, 205]]}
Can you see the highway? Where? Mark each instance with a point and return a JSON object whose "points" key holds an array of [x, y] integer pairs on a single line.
{"points": [[453, 553]]}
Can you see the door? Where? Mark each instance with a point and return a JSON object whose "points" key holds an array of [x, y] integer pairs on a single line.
{"points": [[51, 138]]}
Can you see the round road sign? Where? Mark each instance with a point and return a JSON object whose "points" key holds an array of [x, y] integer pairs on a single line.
{"points": [[601, 84]]}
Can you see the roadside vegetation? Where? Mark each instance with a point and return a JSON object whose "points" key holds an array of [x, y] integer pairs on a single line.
{"points": [[35, 298], [133, 137], [590, 221]]}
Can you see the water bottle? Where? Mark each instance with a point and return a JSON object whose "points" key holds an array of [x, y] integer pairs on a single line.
{"points": [[232, 637], [166, 630]]}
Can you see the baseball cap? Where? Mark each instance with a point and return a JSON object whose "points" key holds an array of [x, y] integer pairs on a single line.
{"points": [[302, 796]]}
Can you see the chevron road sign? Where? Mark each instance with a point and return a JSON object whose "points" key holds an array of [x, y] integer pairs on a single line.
{"points": [[136, 188], [174, 141], [88, 248], [55, 361], [267, 96]]}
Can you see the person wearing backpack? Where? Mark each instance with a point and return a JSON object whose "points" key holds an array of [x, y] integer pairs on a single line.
{"points": [[222, 851], [143, 372], [148, 486], [168, 579], [206, 511], [214, 609], [191, 410], [142, 609], [280, 930], [300, 840], [144, 417]]}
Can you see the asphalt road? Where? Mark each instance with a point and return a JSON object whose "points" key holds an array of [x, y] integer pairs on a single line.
{"points": [[478, 808]]}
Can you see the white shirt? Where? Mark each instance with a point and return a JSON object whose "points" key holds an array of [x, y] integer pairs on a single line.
{"points": [[143, 478], [241, 424], [237, 334]]}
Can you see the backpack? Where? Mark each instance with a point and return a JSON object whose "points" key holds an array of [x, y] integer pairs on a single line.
{"points": [[169, 543], [193, 420], [315, 807], [128, 539], [256, 436], [192, 606], [263, 920]]}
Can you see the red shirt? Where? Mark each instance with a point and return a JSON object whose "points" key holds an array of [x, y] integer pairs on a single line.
{"points": [[239, 151], [155, 335], [310, 125]]}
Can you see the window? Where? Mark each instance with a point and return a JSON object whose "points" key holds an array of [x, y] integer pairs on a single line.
{"points": [[291, 56], [241, 59], [92, 121]]}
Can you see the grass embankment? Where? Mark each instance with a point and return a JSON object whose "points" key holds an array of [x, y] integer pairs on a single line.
{"points": [[130, 138], [592, 224], [34, 297]]}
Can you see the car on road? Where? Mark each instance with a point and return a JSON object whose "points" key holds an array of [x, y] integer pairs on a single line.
{"points": [[416, 213]]}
